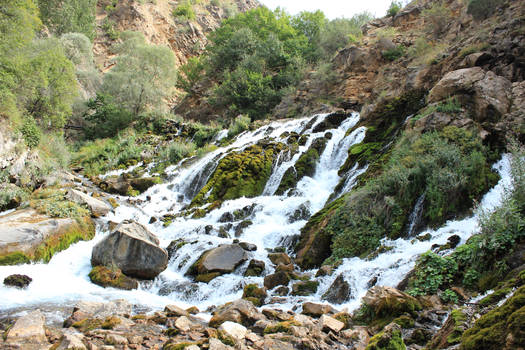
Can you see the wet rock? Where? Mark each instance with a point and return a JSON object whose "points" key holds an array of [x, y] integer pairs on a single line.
{"points": [[248, 246], [226, 217], [301, 213], [330, 324], [175, 311], [282, 291], [304, 288], [373, 281], [317, 310], [239, 229], [255, 268], [332, 121], [218, 261], [284, 268], [96, 206], [105, 277], [453, 241], [20, 281], [338, 292], [279, 258], [389, 338], [239, 311], [174, 246], [255, 294], [28, 329], [276, 279], [142, 184], [216, 344], [390, 301], [233, 330], [325, 270], [133, 249]]}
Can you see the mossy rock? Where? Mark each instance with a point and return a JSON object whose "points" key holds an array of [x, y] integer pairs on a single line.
{"points": [[405, 321], [240, 174], [304, 288], [88, 324], [281, 327], [15, 258], [503, 325], [105, 277], [255, 294], [389, 339], [142, 184], [207, 277]]}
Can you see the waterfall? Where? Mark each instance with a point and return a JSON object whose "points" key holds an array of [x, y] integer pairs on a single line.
{"points": [[269, 221], [415, 216]]}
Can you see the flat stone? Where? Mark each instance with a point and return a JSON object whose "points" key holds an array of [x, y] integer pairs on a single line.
{"points": [[72, 340], [96, 206], [28, 329], [216, 344], [184, 324], [316, 310], [115, 339], [175, 311], [330, 324], [234, 330]]}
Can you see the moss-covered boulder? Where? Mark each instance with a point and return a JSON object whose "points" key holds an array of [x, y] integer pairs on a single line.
{"points": [[501, 328], [107, 277], [388, 339], [240, 174], [19, 281], [255, 268], [255, 294], [304, 288]]}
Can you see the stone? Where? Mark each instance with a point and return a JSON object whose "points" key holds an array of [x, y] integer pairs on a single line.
{"points": [[453, 241], [330, 324], [20, 281], [390, 301], [325, 270], [248, 246], [239, 311], [360, 336], [185, 324], [304, 288], [284, 268], [105, 277], [234, 330], [282, 291], [462, 79], [493, 94], [72, 340], [87, 309], [142, 184], [276, 279], [216, 344], [255, 268], [221, 260], [175, 311], [97, 207], [133, 249], [28, 329], [279, 258], [339, 291], [317, 310], [115, 339]]}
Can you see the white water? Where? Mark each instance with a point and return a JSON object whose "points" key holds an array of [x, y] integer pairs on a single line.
{"points": [[64, 280]]}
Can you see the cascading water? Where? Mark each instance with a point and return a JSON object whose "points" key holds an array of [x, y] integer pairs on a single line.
{"points": [[270, 221]]}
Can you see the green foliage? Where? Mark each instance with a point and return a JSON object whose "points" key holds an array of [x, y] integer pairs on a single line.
{"points": [[52, 202], [395, 7], [436, 18], [383, 341], [77, 48], [142, 77], [449, 168], [31, 132], [190, 73], [175, 151], [110, 28], [16, 258], [105, 118], [185, 11], [240, 124], [53, 151], [394, 53], [340, 32], [432, 272], [11, 196], [69, 16], [481, 9], [449, 296]]}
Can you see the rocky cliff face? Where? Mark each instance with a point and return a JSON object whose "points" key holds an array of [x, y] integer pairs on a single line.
{"points": [[156, 20]]}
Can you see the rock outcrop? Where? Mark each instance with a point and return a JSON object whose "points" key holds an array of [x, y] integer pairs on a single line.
{"points": [[132, 248]]}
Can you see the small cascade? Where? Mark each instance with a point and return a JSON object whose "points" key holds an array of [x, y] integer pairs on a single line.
{"points": [[415, 217]]}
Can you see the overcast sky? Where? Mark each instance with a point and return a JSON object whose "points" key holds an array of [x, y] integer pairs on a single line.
{"points": [[331, 8]]}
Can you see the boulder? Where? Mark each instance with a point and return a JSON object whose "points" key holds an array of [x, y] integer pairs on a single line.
{"points": [[233, 330], [390, 301], [25, 230], [317, 310], [72, 340], [276, 279], [106, 277], [142, 184], [116, 185], [255, 294], [133, 249], [20, 281], [89, 309], [248, 246], [239, 311], [338, 292], [28, 329], [279, 258], [218, 261], [175, 311], [455, 81], [255, 268], [97, 207], [216, 344], [305, 288], [330, 324]]}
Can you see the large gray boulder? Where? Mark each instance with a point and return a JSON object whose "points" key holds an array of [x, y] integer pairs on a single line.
{"points": [[133, 249], [217, 261]]}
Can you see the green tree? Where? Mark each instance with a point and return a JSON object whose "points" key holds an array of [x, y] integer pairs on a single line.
{"points": [[311, 24], [143, 75], [105, 118], [190, 73], [339, 32], [69, 16]]}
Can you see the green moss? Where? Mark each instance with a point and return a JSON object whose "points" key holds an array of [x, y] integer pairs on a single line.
{"points": [[207, 277], [405, 321], [254, 293], [240, 174], [106, 277], [383, 341], [15, 258], [500, 326], [281, 327], [178, 346], [305, 288], [494, 297], [459, 318], [52, 202], [111, 322], [88, 324]]}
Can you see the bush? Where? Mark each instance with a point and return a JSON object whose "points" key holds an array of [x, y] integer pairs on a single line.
{"points": [[340, 32], [190, 73], [184, 10], [395, 7], [240, 124], [394, 53], [109, 27], [69, 16], [105, 118], [31, 132], [432, 272], [176, 151], [436, 19], [481, 9]]}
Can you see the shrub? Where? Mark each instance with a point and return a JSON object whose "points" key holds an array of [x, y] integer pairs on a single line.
{"points": [[109, 27], [31, 132], [176, 151], [340, 32], [69, 16], [394, 53], [105, 118], [432, 272], [184, 10], [239, 124], [436, 19], [395, 7], [481, 9], [190, 73]]}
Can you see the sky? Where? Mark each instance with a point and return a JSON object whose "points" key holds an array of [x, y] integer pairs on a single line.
{"points": [[331, 8]]}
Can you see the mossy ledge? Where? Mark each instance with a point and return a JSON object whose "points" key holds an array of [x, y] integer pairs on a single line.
{"points": [[240, 174]]}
